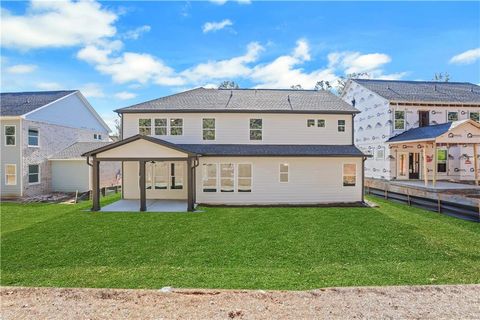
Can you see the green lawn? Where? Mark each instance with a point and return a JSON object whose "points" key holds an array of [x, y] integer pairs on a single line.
{"points": [[270, 248]]}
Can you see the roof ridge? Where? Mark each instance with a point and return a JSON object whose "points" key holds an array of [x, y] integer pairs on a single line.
{"points": [[416, 81], [39, 92]]}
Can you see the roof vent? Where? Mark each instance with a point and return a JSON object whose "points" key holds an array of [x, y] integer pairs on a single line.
{"points": [[435, 88], [353, 102], [27, 101]]}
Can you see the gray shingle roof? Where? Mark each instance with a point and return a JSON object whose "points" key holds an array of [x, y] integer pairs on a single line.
{"points": [[272, 150], [422, 133], [20, 103], [76, 150], [423, 91], [245, 100]]}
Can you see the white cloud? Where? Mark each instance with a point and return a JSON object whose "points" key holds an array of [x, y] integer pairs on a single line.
{"points": [[355, 62], [215, 26], [49, 86], [57, 24], [124, 95], [92, 90], [224, 69], [136, 33], [467, 57], [21, 68], [94, 54]]}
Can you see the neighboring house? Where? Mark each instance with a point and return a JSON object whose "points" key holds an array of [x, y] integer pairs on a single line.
{"points": [[35, 126], [238, 147], [417, 129], [70, 171]]}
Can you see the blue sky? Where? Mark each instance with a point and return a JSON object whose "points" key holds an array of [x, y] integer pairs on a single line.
{"points": [[121, 53]]}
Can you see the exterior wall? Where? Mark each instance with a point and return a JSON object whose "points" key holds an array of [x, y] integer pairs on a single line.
{"points": [[374, 125], [73, 175], [11, 155], [70, 111], [141, 149], [311, 181], [234, 128]]}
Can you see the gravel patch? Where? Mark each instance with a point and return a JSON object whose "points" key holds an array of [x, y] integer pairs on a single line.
{"points": [[402, 302]]}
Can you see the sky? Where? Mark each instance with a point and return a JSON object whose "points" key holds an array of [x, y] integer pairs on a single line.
{"points": [[121, 53]]}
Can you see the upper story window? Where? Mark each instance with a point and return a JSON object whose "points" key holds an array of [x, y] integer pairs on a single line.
{"points": [[452, 116], [145, 126], [310, 123], [176, 127], [160, 127], [10, 135], [341, 125], [97, 136], [475, 116], [349, 174], [33, 137], [10, 174], [208, 127], [380, 153], [284, 172], [399, 119], [256, 127], [33, 174], [321, 123]]}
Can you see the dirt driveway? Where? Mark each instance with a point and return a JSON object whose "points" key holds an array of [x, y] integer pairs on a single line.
{"points": [[404, 302]]}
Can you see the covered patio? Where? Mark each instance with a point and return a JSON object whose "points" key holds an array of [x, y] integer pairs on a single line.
{"points": [[417, 151], [141, 150]]}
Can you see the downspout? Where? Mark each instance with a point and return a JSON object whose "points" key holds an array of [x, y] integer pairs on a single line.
{"points": [[363, 178], [353, 129], [121, 138], [196, 163]]}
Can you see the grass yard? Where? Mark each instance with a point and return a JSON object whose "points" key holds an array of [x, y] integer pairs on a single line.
{"points": [[269, 248]]}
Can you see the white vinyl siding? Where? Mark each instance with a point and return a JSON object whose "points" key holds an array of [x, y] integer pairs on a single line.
{"points": [[234, 128]]}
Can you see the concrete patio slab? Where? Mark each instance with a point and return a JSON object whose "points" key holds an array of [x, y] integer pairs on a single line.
{"points": [[152, 206]]}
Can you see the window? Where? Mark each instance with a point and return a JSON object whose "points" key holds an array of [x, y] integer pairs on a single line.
{"points": [[244, 179], [452, 116], [99, 137], [226, 177], [32, 137], [209, 178], [33, 174], [341, 125], [208, 126], [145, 126], [475, 116], [9, 135], [160, 127], [349, 174], [160, 176], [256, 129], [176, 176], [399, 120], [95, 136], [310, 123], [321, 123], [176, 127], [10, 174], [380, 154], [442, 157], [284, 172]]}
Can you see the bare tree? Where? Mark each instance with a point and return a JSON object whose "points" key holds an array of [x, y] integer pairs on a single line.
{"points": [[342, 82], [296, 87], [323, 85], [441, 77], [117, 130], [228, 84]]}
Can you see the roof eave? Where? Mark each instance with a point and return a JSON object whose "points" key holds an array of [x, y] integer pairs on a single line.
{"points": [[121, 111], [432, 102]]}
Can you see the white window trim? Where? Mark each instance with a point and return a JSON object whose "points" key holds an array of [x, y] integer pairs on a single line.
{"points": [[170, 127], [38, 138], [349, 175], [15, 166], [138, 125], [453, 111], [154, 127], [39, 175], [280, 172], [15, 135], [250, 129], [214, 128], [216, 177], [344, 125], [314, 123], [324, 123], [404, 119], [236, 176]]}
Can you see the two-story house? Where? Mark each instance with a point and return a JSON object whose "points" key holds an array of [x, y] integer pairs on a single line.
{"points": [[34, 127], [238, 147], [417, 129]]}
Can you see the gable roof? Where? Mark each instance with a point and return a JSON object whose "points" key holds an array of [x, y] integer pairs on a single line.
{"points": [[20, 103], [76, 150], [423, 91], [429, 132], [245, 100], [242, 150]]}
